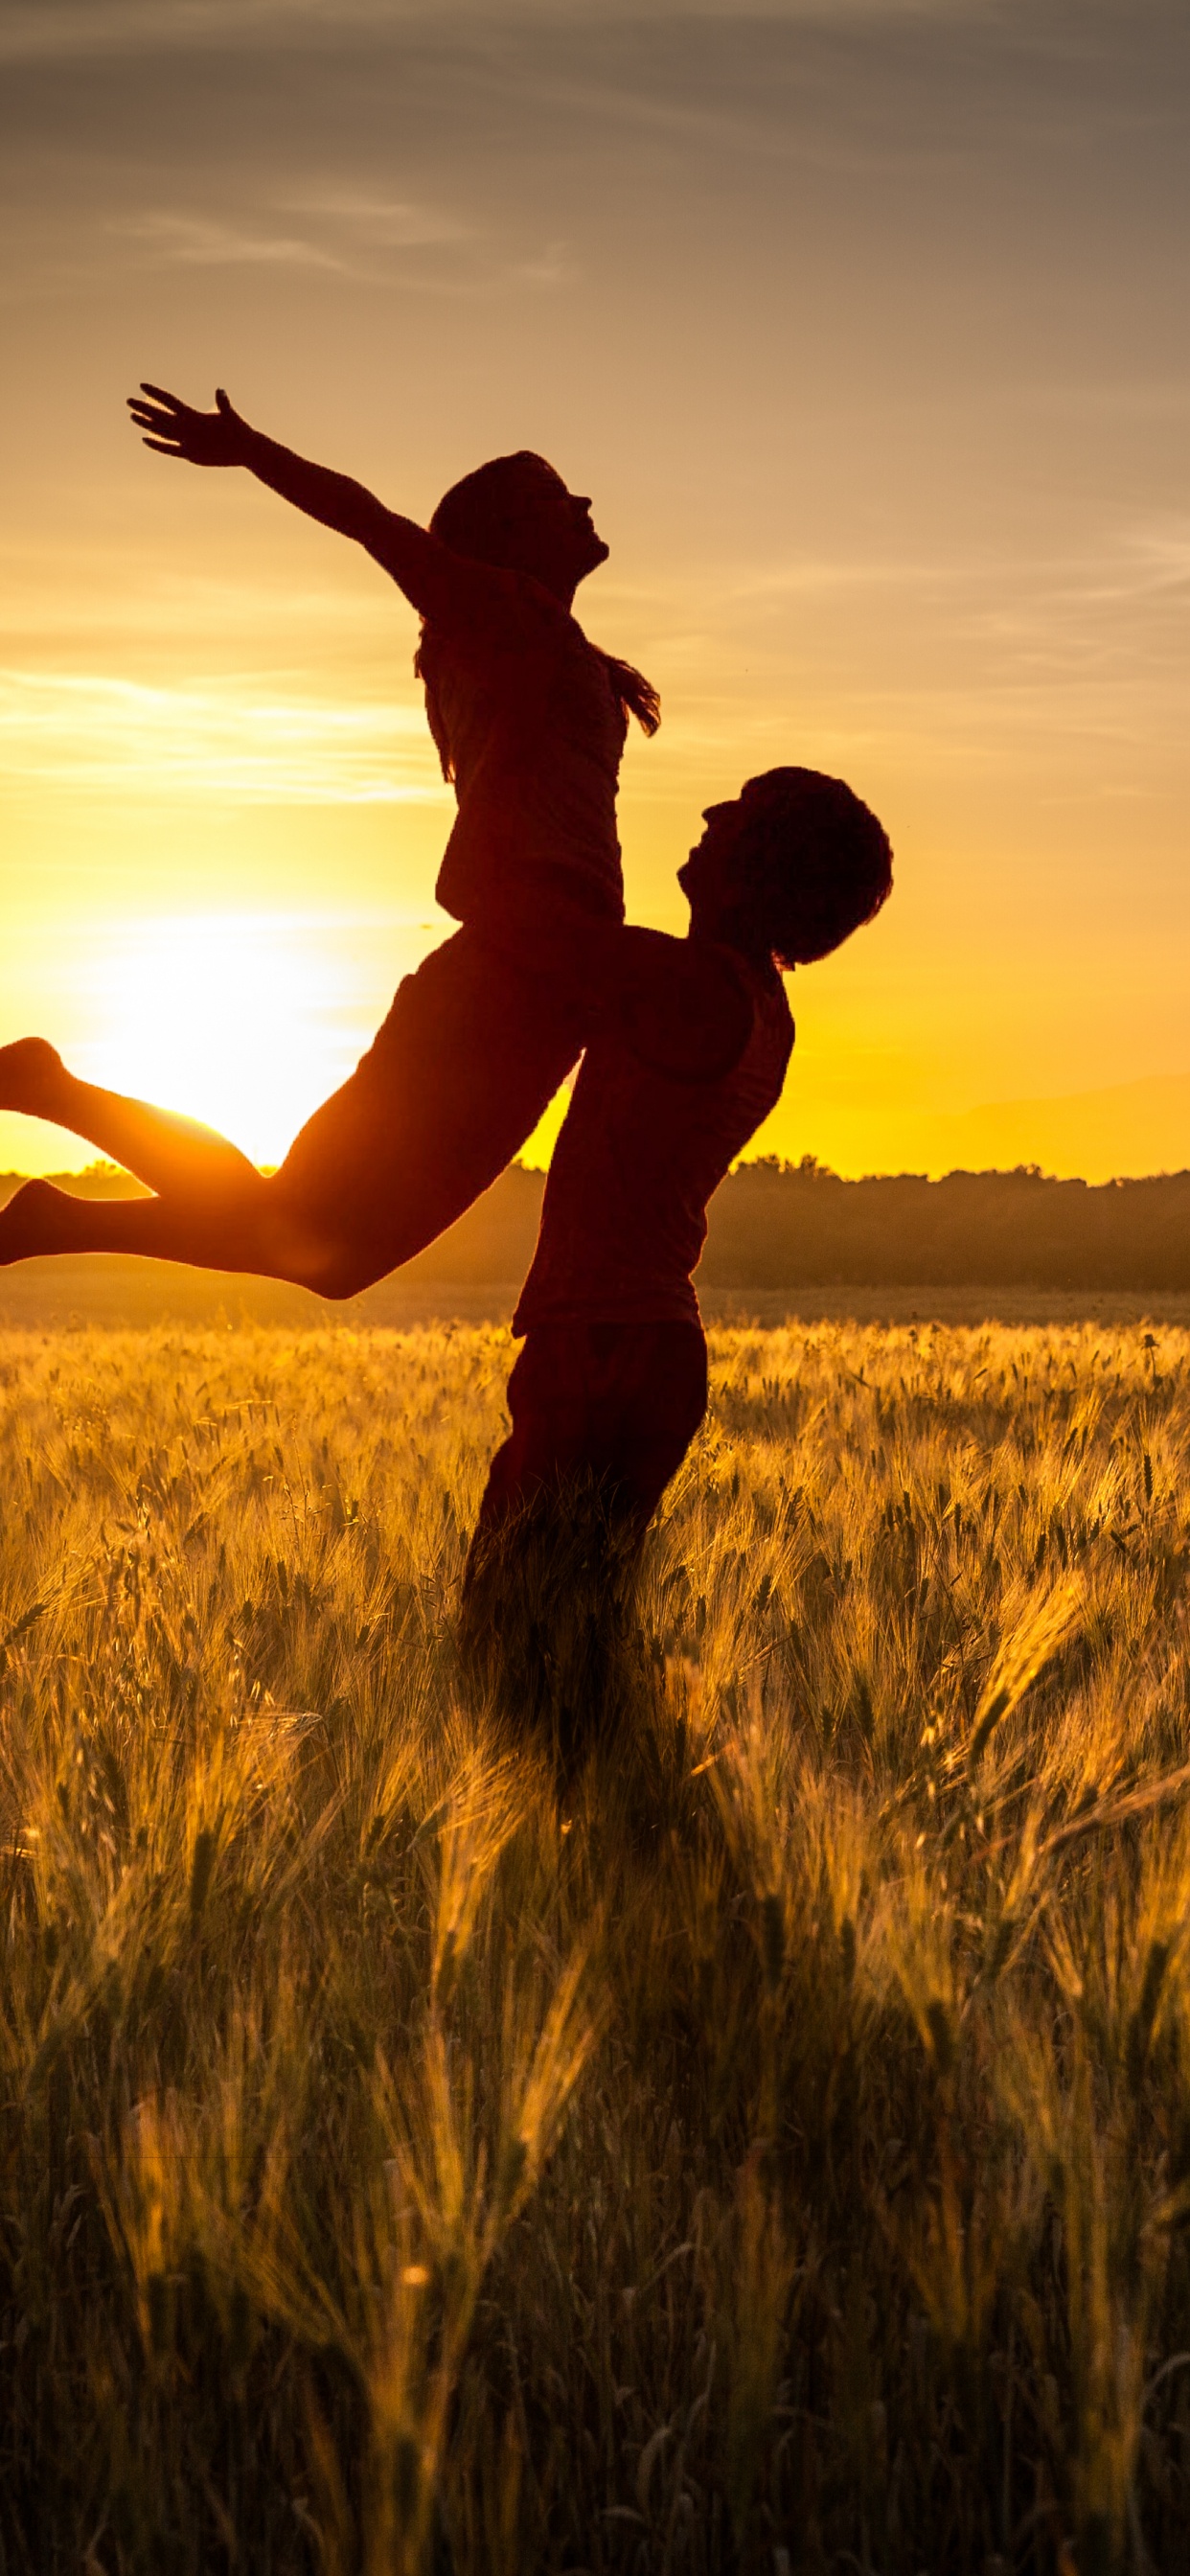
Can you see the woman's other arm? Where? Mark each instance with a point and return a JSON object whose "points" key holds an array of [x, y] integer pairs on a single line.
{"points": [[439, 584]]}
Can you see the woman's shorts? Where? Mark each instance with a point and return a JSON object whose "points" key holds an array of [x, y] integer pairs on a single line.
{"points": [[470, 1055]]}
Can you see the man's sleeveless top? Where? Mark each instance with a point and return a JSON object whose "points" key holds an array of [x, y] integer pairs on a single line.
{"points": [[641, 1151], [530, 717]]}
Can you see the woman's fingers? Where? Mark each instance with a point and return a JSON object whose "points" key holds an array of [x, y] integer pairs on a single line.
{"points": [[173, 428], [160, 434], [142, 410], [168, 430]]}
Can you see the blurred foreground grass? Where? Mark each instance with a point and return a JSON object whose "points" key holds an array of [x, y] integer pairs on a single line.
{"points": [[778, 2161]]}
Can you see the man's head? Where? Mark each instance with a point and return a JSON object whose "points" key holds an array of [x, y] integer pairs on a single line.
{"points": [[516, 512], [791, 866]]}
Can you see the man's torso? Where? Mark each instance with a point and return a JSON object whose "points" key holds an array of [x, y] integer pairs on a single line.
{"points": [[639, 1156]]}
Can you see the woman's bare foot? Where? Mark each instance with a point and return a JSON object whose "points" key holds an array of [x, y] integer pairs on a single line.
{"points": [[32, 1222], [31, 1077]]}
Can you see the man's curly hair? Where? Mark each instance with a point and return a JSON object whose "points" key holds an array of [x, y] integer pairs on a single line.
{"points": [[820, 862]]}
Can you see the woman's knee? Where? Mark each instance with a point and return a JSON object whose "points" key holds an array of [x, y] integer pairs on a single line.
{"points": [[337, 1270], [328, 1258]]}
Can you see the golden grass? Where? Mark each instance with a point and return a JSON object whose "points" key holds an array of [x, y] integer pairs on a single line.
{"points": [[779, 2160]]}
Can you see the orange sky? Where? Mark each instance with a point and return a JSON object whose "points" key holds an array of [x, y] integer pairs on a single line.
{"points": [[867, 329]]}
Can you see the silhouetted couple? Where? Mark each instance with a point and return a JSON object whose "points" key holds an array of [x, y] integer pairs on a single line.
{"points": [[686, 1041]]}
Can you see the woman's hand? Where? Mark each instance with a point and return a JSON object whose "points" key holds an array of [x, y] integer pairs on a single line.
{"points": [[173, 428], [438, 584]]}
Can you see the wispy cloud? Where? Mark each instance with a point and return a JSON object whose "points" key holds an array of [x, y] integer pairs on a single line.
{"points": [[551, 267], [1130, 563], [42, 30], [225, 739], [33, 30], [363, 238], [1161, 556], [382, 223], [343, 228], [193, 242]]}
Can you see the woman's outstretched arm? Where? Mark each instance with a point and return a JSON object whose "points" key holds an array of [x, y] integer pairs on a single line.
{"points": [[437, 583]]}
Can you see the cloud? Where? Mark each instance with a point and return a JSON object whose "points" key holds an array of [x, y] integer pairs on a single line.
{"points": [[43, 30], [360, 223], [357, 237], [1161, 554], [382, 223], [39, 30], [194, 242], [551, 267], [223, 739]]}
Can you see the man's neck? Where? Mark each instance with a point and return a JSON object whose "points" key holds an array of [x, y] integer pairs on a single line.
{"points": [[732, 930]]}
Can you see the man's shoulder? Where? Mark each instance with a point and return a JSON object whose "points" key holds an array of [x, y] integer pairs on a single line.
{"points": [[689, 1006]]}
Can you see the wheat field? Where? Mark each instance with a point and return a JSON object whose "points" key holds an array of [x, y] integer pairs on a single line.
{"points": [[769, 2151]]}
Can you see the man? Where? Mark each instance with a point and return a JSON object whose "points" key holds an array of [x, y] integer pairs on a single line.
{"points": [[612, 1382]]}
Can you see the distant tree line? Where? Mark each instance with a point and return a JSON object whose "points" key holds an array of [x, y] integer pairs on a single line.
{"points": [[782, 1225], [777, 1225], [785, 1225]]}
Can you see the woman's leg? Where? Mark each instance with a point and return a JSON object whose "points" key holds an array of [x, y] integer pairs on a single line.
{"points": [[470, 1055], [166, 1152], [247, 1230], [214, 1209]]}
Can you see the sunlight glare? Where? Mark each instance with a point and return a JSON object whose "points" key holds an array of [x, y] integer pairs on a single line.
{"points": [[244, 1020]]}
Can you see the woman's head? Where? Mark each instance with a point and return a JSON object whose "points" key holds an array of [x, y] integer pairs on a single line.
{"points": [[517, 513], [792, 865]]}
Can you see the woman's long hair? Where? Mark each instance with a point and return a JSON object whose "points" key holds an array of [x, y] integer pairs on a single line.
{"points": [[477, 518]]}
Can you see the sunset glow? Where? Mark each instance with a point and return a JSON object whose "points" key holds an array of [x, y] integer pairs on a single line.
{"points": [[237, 1019], [865, 326]]}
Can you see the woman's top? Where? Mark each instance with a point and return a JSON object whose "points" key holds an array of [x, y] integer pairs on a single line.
{"points": [[529, 722], [642, 1149]]}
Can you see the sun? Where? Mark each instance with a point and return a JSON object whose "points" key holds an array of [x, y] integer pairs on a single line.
{"points": [[245, 1020]]}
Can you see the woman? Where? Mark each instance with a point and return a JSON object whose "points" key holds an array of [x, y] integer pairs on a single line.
{"points": [[529, 720]]}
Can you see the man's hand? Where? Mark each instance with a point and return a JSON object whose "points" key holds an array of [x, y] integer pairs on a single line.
{"points": [[173, 428]]}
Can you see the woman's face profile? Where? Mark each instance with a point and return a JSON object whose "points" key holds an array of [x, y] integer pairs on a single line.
{"points": [[551, 528], [517, 512]]}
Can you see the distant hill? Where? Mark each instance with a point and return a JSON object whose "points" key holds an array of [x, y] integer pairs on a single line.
{"points": [[1126, 1127], [778, 1225]]}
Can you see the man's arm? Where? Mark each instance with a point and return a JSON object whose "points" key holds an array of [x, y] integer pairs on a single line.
{"points": [[441, 585]]}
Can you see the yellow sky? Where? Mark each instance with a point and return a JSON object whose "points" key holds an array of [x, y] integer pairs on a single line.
{"points": [[866, 328]]}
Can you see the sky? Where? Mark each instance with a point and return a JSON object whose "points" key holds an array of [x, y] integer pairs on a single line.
{"points": [[866, 325]]}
